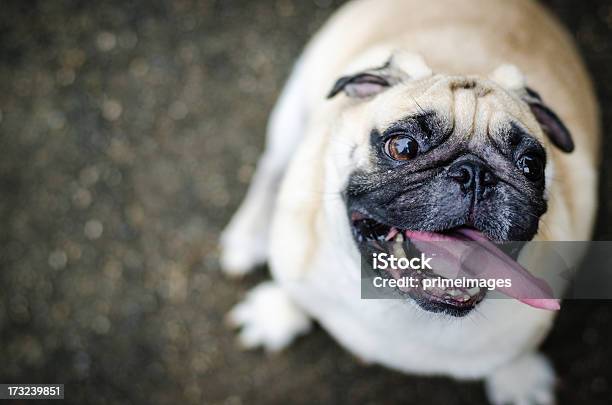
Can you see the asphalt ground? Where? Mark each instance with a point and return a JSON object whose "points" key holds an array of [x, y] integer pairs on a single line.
{"points": [[128, 134]]}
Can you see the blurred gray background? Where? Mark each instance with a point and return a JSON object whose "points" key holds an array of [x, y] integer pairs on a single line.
{"points": [[129, 131]]}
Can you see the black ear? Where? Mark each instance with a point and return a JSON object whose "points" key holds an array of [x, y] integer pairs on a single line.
{"points": [[401, 66], [550, 122], [360, 85]]}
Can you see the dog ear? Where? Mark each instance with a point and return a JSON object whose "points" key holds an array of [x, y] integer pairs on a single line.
{"points": [[360, 85], [401, 66], [511, 78], [551, 124]]}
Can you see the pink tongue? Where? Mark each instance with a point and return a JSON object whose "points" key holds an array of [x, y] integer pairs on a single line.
{"points": [[486, 261]]}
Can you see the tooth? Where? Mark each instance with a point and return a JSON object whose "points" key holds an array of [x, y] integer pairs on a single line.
{"points": [[405, 244], [398, 250], [392, 233]]}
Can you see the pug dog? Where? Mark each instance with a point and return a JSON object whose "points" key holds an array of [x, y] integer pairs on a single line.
{"points": [[420, 119]]}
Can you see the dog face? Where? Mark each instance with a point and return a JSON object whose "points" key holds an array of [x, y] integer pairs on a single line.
{"points": [[442, 153]]}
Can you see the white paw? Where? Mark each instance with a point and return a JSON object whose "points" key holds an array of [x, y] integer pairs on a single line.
{"points": [[268, 318], [529, 380], [241, 252]]}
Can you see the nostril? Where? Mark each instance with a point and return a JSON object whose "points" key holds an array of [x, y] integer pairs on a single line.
{"points": [[472, 175], [461, 175], [488, 179]]}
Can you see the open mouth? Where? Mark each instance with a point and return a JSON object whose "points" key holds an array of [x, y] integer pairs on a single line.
{"points": [[450, 246]]}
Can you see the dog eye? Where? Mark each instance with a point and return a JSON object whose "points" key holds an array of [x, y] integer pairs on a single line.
{"points": [[401, 147], [532, 166]]}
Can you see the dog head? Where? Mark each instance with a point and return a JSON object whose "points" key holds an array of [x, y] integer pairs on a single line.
{"points": [[424, 152]]}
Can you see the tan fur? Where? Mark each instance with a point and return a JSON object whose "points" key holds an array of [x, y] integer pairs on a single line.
{"points": [[463, 37], [467, 61]]}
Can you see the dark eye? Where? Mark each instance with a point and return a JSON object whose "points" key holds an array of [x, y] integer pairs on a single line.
{"points": [[401, 147], [532, 166]]}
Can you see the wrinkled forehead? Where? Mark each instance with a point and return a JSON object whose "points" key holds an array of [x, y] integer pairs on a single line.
{"points": [[470, 106]]}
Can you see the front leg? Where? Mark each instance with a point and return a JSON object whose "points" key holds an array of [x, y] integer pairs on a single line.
{"points": [[527, 380], [244, 243]]}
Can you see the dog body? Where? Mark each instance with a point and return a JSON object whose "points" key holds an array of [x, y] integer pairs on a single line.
{"points": [[396, 60]]}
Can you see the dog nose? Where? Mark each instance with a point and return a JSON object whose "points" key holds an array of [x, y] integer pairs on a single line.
{"points": [[473, 177]]}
